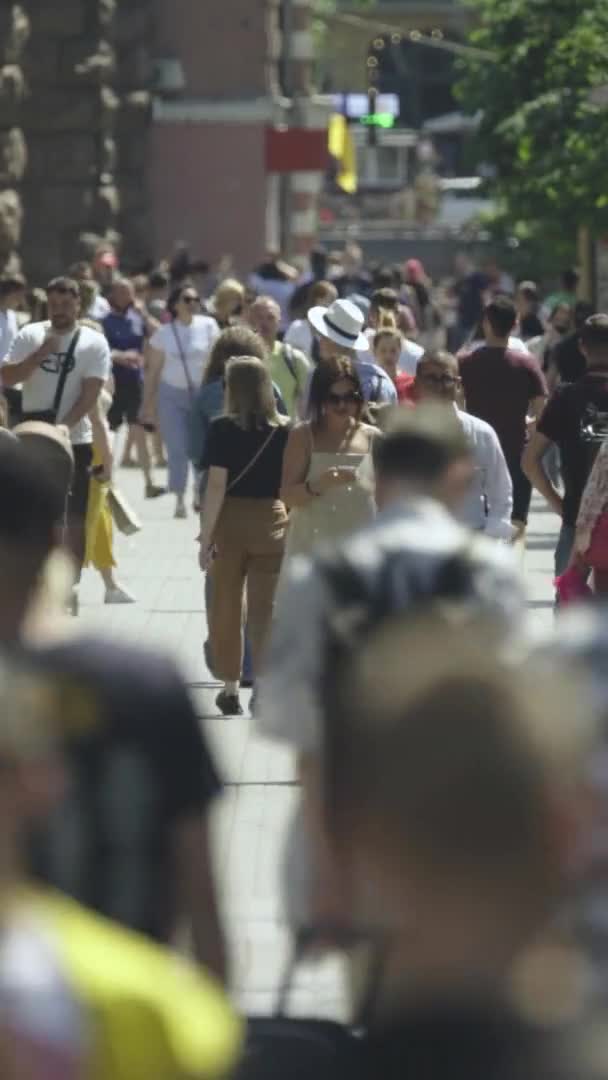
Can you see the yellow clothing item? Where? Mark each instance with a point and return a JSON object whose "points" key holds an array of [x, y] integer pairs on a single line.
{"points": [[341, 146], [98, 525], [148, 1013]]}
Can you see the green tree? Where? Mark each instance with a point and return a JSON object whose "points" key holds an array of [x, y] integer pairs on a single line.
{"points": [[542, 129]]}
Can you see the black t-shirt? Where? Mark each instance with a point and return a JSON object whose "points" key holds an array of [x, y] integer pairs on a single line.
{"points": [[137, 765], [561, 423], [231, 447], [567, 357], [530, 326], [470, 292]]}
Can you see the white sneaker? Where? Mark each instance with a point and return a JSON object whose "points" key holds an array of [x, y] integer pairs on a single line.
{"points": [[118, 595]]}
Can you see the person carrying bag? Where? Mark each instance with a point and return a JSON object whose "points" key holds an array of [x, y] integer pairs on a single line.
{"points": [[49, 416], [243, 522]]}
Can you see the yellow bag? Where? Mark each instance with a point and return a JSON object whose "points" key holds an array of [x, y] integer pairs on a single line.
{"points": [[152, 1014]]}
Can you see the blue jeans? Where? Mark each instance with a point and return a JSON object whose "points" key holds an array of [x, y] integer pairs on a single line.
{"points": [[563, 551], [247, 672], [175, 419]]}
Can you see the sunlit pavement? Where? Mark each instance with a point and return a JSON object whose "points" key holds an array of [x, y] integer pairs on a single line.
{"points": [[160, 566]]}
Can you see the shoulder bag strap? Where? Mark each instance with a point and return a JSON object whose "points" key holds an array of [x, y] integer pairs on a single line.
{"points": [[250, 464], [289, 358], [65, 370], [183, 359]]}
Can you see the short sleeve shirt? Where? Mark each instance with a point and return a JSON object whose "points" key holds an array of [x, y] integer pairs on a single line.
{"points": [[499, 385], [230, 447], [290, 373], [91, 361], [137, 766], [561, 423], [185, 348], [124, 332]]}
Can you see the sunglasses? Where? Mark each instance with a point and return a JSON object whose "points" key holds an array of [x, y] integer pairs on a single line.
{"points": [[191, 299], [351, 398]]}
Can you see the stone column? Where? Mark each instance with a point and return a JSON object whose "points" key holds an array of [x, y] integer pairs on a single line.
{"points": [[134, 40], [70, 199], [14, 33]]}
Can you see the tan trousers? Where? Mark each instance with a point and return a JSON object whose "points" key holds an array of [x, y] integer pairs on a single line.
{"points": [[250, 537]]}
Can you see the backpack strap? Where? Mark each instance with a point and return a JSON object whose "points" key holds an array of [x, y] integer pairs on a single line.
{"points": [[289, 357]]}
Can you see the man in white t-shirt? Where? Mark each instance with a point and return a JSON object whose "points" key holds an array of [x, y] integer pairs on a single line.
{"points": [[37, 358], [12, 291]]}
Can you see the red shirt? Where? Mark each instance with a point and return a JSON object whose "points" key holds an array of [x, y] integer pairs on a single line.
{"points": [[499, 385], [404, 385]]}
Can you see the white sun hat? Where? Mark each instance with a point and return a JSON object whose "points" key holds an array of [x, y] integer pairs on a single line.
{"points": [[342, 322]]}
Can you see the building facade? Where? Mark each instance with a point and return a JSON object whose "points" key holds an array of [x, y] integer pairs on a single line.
{"points": [[147, 124]]}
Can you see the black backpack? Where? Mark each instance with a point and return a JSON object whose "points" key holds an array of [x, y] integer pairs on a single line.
{"points": [[593, 432]]}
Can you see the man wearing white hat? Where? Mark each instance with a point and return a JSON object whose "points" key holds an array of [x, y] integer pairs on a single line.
{"points": [[339, 329]]}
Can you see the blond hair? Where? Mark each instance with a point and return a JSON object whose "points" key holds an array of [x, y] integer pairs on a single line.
{"points": [[229, 290], [250, 399]]}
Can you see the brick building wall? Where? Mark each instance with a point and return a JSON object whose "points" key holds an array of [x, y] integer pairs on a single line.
{"points": [[208, 176]]}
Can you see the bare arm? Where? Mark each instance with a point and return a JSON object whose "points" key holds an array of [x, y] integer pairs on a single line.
{"points": [[91, 389], [535, 409], [296, 463], [13, 374], [532, 465], [101, 439], [196, 895], [212, 505], [154, 360]]}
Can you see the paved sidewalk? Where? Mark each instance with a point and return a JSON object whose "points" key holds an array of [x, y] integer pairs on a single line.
{"points": [[160, 566]]}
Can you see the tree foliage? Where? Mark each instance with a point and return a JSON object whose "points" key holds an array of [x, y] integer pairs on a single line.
{"points": [[541, 130]]}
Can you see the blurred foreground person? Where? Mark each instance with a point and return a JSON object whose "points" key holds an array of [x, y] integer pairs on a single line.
{"points": [[453, 797], [130, 836], [414, 554], [580, 643], [79, 997]]}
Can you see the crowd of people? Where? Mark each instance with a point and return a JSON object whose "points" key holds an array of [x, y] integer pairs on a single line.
{"points": [[361, 460]]}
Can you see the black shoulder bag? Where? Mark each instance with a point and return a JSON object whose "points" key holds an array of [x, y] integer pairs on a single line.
{"points": [[49, 416]]}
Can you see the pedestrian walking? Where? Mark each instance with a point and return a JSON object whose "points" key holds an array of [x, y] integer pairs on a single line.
{"points": [[99, 550], [288, 367], [507, 389], [339, 332], [299, 333], [63, 367], [129, 836], [387, 350], [243, 521], [590, 547], [177, 355], [576, 421], [328, 476], [489, 502], [127, 329], [209, 403]]}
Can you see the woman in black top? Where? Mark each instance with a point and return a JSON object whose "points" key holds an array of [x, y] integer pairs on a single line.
{"points": [[243, 521]]}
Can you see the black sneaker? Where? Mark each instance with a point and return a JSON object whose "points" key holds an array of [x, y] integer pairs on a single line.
{"points": [[153, 491], [228, 704]]}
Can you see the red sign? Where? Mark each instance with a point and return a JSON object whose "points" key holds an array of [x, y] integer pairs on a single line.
{"points": [[296, 150]]}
